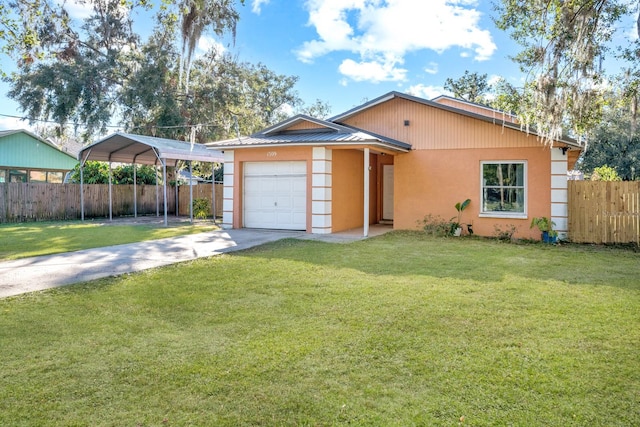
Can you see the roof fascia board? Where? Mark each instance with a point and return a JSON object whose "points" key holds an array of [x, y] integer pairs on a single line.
{"points": [[472, 104]]}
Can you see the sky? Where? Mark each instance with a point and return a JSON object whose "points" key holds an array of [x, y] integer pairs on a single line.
{"points": [[346, 52]]}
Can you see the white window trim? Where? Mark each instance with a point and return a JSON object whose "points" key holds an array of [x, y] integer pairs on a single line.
{"points": [[507, 215]]}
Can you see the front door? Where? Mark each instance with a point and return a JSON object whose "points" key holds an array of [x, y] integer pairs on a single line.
{"points": [[387, 192]]}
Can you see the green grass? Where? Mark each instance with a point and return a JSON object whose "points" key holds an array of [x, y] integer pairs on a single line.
{"points": [[397, 330], [35, 239]]}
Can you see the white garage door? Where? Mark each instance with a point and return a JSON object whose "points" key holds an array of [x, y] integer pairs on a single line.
{"points": [[275, 195]]}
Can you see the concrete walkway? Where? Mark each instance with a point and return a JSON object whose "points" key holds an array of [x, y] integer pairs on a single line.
{"points": [[44, 272]]}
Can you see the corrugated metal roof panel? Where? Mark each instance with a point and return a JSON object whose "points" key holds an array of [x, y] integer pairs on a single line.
{"points": [[312, 138], [141, 149]]}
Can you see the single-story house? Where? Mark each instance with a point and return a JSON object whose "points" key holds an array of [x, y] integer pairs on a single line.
{"points": [[396, 159], [25, 157]]}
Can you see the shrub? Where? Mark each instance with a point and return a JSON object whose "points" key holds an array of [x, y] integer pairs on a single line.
{"points": [[435, 226], [201, 208], [605, 173], [506, 234]]}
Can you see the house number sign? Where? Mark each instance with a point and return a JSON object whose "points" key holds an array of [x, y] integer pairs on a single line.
{"points": [[272, 153]]}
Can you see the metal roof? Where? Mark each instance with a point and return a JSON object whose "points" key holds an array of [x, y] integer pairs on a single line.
{"points": [[141, 149], [330, 134]]}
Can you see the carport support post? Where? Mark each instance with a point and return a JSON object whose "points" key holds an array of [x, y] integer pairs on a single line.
{"points": [[135, 192], [213, 191], [155, 167], [190, 193], [110, 200], [82, 191], [367, 166], [164, 180]]}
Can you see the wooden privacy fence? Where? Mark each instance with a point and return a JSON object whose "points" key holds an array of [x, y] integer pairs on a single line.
{"points": [[200, 191], [21, 202], [604, 212]]}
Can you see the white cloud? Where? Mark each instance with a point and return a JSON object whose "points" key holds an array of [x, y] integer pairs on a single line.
{"points": [[287, 110], [494, 79], [77, 9], [432, 68], [383, 32], [373, 71], [12, 123], [207, 42], [427, 92], [256, 7]]}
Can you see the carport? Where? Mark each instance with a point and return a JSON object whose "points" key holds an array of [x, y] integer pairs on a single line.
{"points": [[145, 150]]}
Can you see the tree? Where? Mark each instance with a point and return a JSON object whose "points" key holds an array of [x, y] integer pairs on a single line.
{"points": [[605, 173], [63, 76], [319, 109], [506, 97], [563, 44], [471, 87], [615, 143], [197, 15], [150, 96], [77, 74], [98, 173], [232, 97]]}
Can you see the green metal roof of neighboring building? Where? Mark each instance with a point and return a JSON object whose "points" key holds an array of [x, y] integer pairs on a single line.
{"points": [[23, 149]]}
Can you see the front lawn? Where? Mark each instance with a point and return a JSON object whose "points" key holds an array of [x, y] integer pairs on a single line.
{"points": [[397, 330], [45, 238]]}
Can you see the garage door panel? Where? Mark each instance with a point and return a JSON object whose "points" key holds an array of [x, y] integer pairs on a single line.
{"points": [[284, 202], [275, 195]]}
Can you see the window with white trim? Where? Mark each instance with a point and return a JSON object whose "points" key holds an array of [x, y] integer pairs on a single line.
{"points": [[504, 191]]}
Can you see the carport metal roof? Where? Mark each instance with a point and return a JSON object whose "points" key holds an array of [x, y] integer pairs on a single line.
{"points": [[147, 150]]}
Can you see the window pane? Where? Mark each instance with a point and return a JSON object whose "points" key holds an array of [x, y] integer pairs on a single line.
{"points": [[54, 177], [504, 200], [16, 175], [503, 175], [3, 175], [37, 176], [490, 174]]}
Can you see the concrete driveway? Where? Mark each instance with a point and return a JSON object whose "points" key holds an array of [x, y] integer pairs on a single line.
{"points": [[43, 272]]}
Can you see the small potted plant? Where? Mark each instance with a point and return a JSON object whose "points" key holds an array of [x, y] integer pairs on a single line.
{"points": [[545, 225], [456, 227]]}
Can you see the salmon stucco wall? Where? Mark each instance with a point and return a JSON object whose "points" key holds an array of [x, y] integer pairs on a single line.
{"points": [[272, 154], [348, 189], [433, 181]]}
